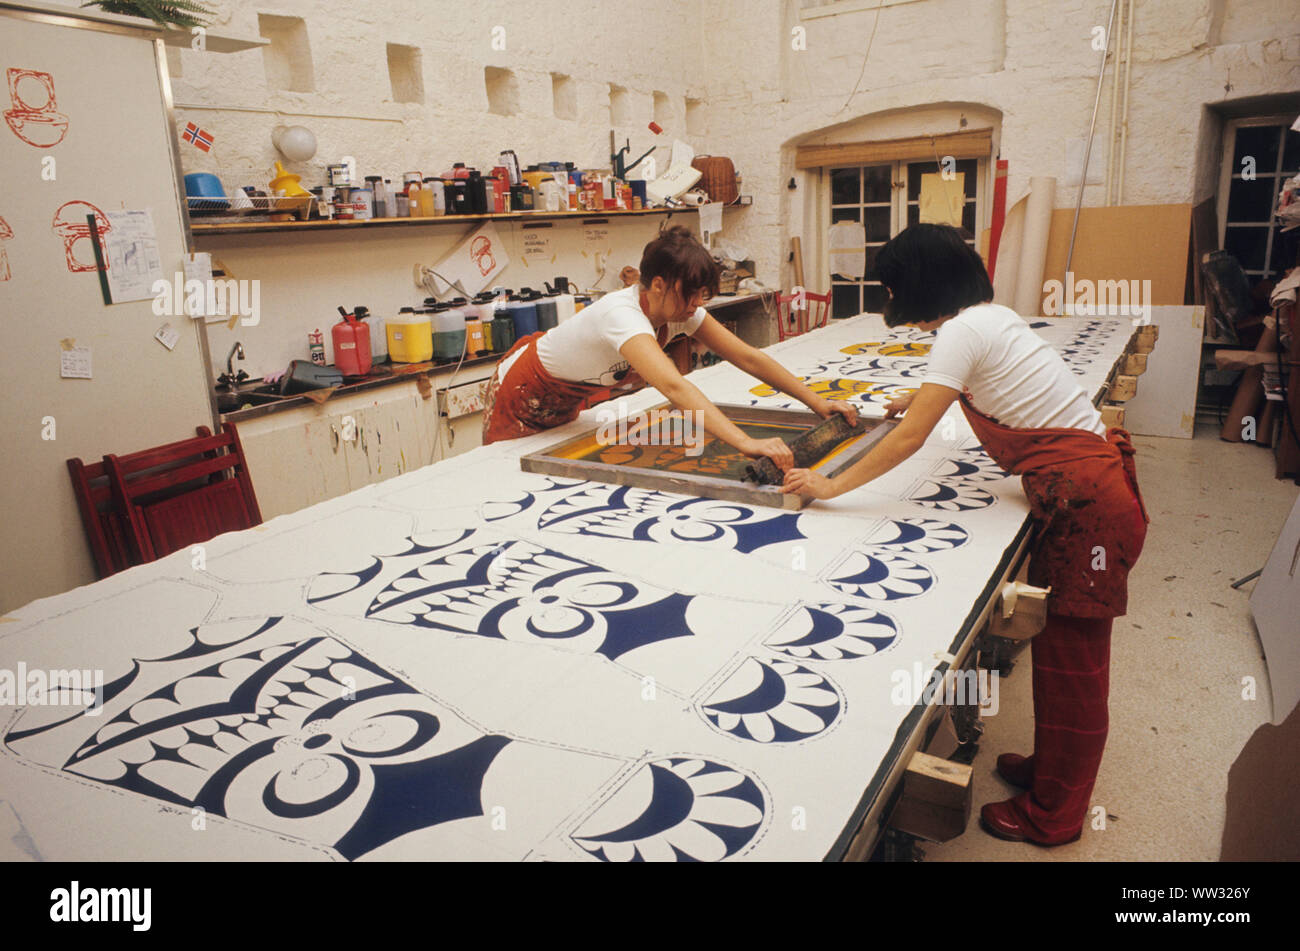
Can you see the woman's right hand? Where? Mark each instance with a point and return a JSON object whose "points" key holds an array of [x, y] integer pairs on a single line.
{"points": [[775, 449], [898, 404]]}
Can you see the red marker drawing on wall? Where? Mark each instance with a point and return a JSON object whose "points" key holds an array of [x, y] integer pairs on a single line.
{"points": [[70, 224], [5, 234], [34, 112]]}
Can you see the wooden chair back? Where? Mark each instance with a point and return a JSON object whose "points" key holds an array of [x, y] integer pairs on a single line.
{"points": [[183, 493], [797, 314]]}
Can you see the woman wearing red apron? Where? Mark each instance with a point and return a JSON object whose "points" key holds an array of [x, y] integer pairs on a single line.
{"points": [[1035, 421], [548, 378]]}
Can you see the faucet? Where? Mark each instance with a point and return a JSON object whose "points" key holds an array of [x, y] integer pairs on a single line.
{"points": [[237, 349]]}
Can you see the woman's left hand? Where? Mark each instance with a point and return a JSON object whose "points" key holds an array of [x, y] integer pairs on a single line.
{"points": [[847, 410], [807, 482]]}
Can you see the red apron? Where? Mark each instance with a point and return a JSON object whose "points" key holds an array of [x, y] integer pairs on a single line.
{"points": [[1091, 524], [1087, 509], [530, 400]]}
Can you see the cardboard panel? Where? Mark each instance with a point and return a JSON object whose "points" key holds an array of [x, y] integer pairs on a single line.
{"points": [[1125, 243]]}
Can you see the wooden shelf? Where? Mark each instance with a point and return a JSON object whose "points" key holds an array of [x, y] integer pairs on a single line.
{"points": [[200, 229]]}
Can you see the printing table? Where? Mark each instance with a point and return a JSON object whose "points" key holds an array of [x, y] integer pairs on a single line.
{"points": [[470, 661]]}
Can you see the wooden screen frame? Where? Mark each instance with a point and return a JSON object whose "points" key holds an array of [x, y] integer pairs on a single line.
{"points": [[552, 461]]}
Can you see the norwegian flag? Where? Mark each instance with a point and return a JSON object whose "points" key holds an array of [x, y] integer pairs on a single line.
{"points": [[201, 138]]}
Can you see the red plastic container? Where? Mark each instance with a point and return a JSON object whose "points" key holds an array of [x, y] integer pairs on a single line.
{"points": [[351, 346]]}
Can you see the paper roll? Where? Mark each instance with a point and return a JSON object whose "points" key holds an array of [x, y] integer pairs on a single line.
{"points": [[1033, 256], [1013, 242]]}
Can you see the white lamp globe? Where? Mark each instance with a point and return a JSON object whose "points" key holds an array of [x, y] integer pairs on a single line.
{"points": [[295, 142]]}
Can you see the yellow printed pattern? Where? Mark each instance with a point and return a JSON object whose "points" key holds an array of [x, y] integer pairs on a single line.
{"points": [[889, 349]]}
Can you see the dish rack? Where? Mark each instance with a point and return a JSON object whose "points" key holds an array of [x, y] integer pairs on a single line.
{"points": [[238, 204]]}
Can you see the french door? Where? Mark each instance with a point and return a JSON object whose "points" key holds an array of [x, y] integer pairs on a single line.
{"points": [[886, 198]]}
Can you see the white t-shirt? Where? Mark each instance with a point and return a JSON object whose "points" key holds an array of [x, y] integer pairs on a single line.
{"points": [[585, 348], [1013, 374]]}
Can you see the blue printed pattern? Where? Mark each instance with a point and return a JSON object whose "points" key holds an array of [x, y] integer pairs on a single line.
{"points": [[512, 590], [878, 575], [968, 465], [1085, 346], [832, 631], [917, 535], [676, 810], [622, 512], [949, 497], [773, 702], [306, 738]]}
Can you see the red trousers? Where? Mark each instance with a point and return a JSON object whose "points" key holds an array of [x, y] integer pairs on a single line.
{"points": [[1071, 659]]}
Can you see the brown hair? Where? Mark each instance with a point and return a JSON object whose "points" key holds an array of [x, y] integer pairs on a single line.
{"points": [[677, 256]]}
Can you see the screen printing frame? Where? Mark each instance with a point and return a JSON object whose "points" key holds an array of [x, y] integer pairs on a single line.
{"points": [[557, 460]]}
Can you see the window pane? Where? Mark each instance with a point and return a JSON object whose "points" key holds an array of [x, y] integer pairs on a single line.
{"points": [[968, 218], [1259, 141], [844, 186], [876, 183], [877, 223], [914, 172], [1246, 244], [845, 214], [913, 214], [971, 169], [871, 263], [874, 297], [1291, 159], [1251, 201], [846, 300], [1285, 245]]}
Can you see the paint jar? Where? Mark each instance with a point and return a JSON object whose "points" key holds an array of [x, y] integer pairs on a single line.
{"points": [[523, 312], [503, 331], [449, 327], [547, 315], [344, 209], [316, 345], [410, 337], [378, 336], [363, 207]]}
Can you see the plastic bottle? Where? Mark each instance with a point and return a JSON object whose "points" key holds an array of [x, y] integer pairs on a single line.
{"points": [[413, 203], [379, 197], [351, 345], [523, 312], [432, 203], [449, 332]]}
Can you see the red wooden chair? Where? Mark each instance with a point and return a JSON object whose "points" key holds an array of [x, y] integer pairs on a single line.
{"points": [[182, 493], [795, 316], [104, 522]]}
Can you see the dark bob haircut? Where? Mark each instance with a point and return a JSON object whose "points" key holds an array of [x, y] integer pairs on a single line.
{"points": [[931, 273], [677, 256]]}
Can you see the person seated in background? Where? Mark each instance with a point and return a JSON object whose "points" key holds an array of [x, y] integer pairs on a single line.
{"points": [[549, 377]]}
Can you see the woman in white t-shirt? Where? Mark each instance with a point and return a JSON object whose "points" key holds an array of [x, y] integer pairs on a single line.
{"points": [[1035, 421], [548, 378]]}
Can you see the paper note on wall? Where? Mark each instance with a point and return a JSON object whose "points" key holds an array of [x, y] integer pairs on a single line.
{"points": [[74, 363], [536, 243], [134, 263], [473, 265], [198, 267], [942, 199]]}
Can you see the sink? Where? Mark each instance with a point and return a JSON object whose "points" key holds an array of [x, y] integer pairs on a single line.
{"points": [[258, 396]]}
